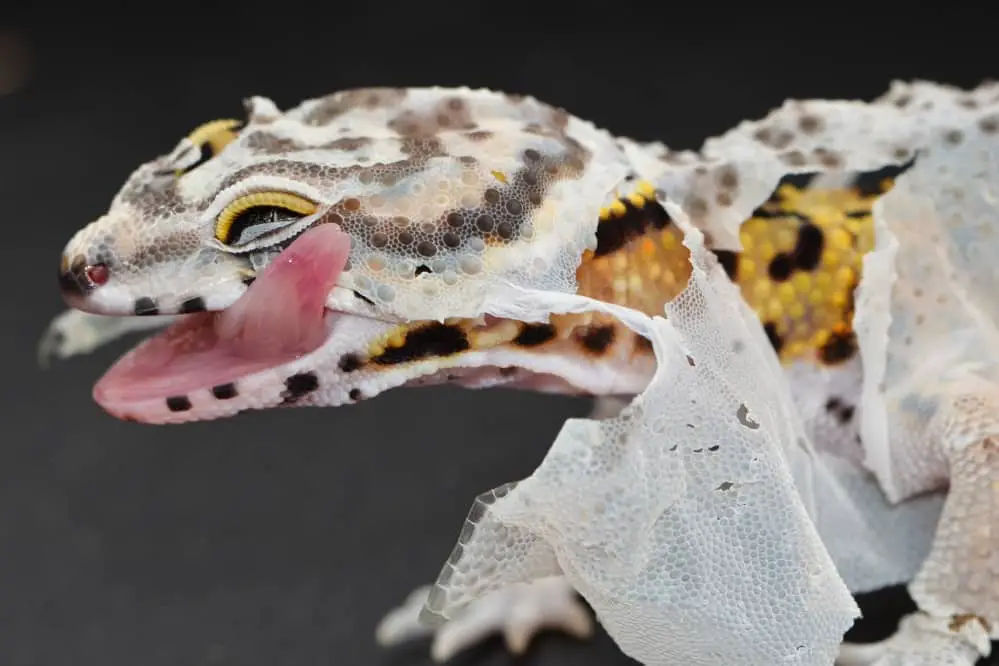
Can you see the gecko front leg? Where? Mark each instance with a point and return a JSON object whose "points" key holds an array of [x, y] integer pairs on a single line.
{"points": [[957, 588], [74, 332], [518, 612]]}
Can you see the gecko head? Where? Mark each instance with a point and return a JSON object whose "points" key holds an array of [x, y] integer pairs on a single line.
{"points": [[431, 199]]}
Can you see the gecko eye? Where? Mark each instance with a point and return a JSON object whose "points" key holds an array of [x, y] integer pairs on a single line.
{"points": [[210, 138], [252, 217]]}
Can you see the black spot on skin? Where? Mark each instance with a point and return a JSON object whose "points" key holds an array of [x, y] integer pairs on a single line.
{"points": [[729, 261], [422, 268], [208, 151], [775, 339], [805, 256], [780, 267], [299, 385], [615, 233], [839, 409], [178, 403], [145, 307], [808, 248], [875, 183], [224, 391], [773, 211], [196, 304], [534, 334], [840, 347], [798, 181], [355, 394], [434, 340], [349, 363], [598, 338]]}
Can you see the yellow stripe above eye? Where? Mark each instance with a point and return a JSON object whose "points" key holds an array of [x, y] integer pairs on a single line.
{"points": [[286, 200], [208, 131]]}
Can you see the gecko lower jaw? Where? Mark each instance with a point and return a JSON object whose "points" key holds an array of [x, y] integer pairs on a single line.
{"points": [[281, 319], [195, 354]]}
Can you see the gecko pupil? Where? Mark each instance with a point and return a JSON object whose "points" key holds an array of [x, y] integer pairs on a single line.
{"points": [[259, 220]]}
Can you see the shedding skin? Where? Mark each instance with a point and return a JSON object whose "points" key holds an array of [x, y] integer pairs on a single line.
{"points": [[342, 158]]}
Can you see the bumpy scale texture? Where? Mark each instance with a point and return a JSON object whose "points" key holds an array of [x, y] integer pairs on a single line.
{"points": [[444, 192]]}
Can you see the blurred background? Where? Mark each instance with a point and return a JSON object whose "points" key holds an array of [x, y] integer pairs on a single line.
{"points": [[283, 537]]}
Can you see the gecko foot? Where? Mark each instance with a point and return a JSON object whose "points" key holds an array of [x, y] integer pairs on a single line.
{"points": [[519, 612], [74, 333], [922, 640]]}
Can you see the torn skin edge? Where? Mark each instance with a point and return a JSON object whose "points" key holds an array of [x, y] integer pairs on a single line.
{"points": [[457, 586]]}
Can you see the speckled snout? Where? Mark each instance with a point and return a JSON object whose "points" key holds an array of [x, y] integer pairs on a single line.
{"points": [[115, 266]]}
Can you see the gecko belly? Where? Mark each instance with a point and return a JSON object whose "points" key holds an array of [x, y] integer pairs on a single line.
{"points": [[281, 317]]}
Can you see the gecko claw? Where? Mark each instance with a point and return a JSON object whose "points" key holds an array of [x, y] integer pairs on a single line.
{"points": [[51, 344], [74, 333], [921, 640], [518, 612]]}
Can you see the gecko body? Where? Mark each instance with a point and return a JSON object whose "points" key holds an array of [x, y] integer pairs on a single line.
{"points": [[445, 193]]}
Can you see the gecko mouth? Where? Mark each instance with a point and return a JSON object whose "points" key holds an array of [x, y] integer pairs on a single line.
{"points": [[281, 317]]}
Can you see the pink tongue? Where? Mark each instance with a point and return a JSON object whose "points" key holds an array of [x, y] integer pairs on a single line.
{"points": [[280, 317], [282, 311]]}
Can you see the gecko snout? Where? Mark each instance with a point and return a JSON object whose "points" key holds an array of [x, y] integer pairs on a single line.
{"points": [[77, 278]]}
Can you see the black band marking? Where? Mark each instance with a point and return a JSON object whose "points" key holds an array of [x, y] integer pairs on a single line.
{"points": [[616, 232], [433, 340], [146, 307], [299, 385], [178, 403], [224, 391]]}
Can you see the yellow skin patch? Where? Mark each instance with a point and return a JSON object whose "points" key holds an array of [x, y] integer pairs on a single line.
{"points": [[211, 138], [807, 309], [810, 306], [216, 134]]}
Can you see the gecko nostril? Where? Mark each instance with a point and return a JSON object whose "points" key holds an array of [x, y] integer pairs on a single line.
{"points": [[77, 278]]}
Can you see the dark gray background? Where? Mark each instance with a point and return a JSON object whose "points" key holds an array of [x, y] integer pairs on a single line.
{"points": [[282, 537]]}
